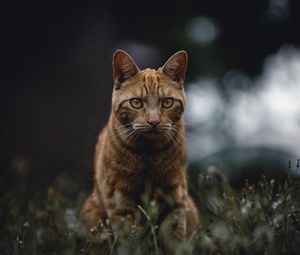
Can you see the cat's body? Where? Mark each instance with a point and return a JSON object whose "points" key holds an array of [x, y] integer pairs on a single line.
{"points": [[141, 151]]}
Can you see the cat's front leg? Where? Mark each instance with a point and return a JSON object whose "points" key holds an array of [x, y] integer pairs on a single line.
{"points": [[121, 211], [174, 228]]}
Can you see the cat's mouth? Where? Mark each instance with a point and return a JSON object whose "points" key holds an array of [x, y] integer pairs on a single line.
{"points": [[152, 131]]}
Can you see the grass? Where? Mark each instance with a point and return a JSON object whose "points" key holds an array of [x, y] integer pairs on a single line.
{"points": [[262, 218]]}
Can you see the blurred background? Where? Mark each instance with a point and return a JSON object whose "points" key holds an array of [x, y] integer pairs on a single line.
{"points": [[243, 81]]}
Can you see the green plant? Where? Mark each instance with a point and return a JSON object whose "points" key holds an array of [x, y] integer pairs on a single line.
{"points": [[262, 218]]}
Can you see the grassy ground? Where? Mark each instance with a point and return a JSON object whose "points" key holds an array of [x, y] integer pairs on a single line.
{"points": [[262, 218]]}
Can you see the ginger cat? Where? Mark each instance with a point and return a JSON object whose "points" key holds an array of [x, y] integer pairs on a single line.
{"points": [[143, 146]]}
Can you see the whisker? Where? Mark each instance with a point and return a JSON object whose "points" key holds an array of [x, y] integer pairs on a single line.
{"points": [[124, 131], [166, 134], [180, 132], [140, 126], [132, 136], [123, 127], [172, 138], [135, 136]]}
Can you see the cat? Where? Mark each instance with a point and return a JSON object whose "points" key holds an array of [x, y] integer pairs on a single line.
{"points": [[143, 148]]}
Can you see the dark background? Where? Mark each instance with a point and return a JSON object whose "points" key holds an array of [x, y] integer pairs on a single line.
{"points": [[56, 78]]}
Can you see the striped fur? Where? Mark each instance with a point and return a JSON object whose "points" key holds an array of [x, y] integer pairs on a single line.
{"points": [[134, 160]]}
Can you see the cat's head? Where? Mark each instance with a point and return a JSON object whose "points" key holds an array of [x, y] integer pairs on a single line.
{"points": [[149, 101]]}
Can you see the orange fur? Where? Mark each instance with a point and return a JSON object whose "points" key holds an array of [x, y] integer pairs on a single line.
{"points": [[142, 151]]}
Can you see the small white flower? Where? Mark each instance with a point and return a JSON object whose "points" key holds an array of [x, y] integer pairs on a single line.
{"points": [[275, 205], [245, 206]]}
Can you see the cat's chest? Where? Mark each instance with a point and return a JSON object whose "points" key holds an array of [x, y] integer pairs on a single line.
{"points": [[153, 176], [149, 165], [134, 174], [147, 170]]}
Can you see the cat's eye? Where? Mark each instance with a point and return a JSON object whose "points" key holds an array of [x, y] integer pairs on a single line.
{"points": [[136, 103], [167, 102]]}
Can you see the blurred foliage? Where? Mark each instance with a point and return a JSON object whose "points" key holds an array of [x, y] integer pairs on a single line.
{"points": [[262, 218]]}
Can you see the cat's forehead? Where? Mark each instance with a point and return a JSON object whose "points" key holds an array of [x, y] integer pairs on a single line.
{"points": [[151, 82], [150, 76]]}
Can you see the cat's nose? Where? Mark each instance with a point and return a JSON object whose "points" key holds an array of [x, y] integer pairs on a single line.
{"points": [[153, 118], [153, 123]]}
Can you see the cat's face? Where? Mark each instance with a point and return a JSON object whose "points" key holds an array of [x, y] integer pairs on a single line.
{"points": [[149, 102]]}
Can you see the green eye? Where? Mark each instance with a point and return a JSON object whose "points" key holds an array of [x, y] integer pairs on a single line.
{"points": [[136, 103], [167, 102]]}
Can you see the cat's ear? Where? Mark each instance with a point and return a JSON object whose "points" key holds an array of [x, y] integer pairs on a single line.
{"points": [[124, 68], [175, 67]]}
